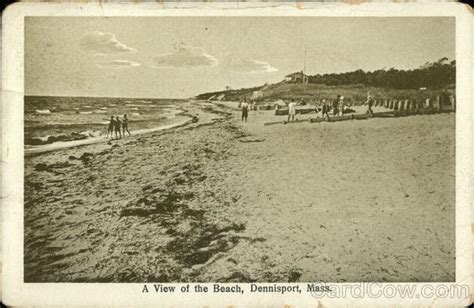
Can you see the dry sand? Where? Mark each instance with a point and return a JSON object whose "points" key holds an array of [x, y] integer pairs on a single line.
{"points": [[220, 201]]}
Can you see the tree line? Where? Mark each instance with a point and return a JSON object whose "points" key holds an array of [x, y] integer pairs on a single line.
{"points": [[438, 74]]}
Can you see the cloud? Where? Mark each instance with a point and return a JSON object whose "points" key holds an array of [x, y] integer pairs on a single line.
{"points": [[250, 66], [117, 64], [185, 58], [100, 43]]}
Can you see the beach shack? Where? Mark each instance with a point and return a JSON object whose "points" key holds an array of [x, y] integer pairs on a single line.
{"points": [[298, 77]]}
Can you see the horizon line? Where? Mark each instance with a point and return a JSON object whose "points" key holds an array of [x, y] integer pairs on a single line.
{"points": [[99, 96]]}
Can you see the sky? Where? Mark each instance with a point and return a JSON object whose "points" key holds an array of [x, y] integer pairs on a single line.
{"points": [[180, 57]]}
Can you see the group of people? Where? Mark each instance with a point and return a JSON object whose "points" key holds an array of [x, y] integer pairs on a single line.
{"points": [[338, 107], [119, 126]]}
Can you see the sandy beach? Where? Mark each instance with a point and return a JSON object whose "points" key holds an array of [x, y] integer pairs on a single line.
{"points": [[223, 201]]}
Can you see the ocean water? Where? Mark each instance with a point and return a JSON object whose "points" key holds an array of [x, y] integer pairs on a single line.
{"points": [[66, 117]]}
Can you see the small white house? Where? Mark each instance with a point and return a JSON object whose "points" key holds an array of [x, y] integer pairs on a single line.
{"points": [[298, 77]]}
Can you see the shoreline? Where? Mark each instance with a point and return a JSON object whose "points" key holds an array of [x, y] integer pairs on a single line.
{"points": [[93, 140], [203, 114]]}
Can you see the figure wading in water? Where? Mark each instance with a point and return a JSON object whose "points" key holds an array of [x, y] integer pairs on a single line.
{"points": [[125, 125], [118, 126], [110, 129]]}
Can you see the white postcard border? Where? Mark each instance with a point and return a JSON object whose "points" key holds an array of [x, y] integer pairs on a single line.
{"points": [[16, 292]]}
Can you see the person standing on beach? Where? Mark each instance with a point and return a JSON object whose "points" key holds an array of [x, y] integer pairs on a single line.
{"points": [[341, 106], [334, 106], [325, 110], [125, 125], [118, 126], [245, 111], [370, 103], [291, 110], [111, 127], [369, 107]]}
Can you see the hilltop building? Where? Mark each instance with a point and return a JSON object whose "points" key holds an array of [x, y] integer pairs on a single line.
{"points": [[298, 77]]}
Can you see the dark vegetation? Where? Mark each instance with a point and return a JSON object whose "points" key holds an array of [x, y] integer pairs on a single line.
{"points": [[430, 75], [427, 81]]}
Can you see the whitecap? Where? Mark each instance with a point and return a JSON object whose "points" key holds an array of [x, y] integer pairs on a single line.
{"points": [[45, 111]]}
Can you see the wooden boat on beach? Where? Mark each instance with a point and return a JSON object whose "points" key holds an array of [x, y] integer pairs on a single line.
{"points": [[298, 111]]}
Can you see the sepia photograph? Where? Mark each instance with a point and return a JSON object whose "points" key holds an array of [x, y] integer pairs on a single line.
{"points": [[241, 149]]}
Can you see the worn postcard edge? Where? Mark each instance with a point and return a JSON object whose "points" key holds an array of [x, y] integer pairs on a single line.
{"points": [[16, 292]]}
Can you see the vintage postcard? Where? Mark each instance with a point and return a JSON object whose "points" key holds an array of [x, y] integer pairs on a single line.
{"points": [[237, 155]]}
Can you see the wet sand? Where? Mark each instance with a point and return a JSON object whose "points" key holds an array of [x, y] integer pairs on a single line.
{"points": [[223, 201]]}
